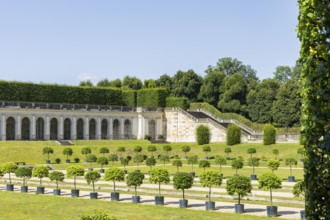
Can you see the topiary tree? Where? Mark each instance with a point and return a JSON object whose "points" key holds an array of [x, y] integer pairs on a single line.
{"points": [[112, 158], [219, 160], [273, 164], [209, 179], [121, 150], [204, 164], [74, 171], [159, 176], [237, 164], [239, 185], [40, 172], [253, 162], [91, 158], [85, 151], [103, 150], [92, 177], [206, 150], [203, 135], [185, 149], [269, 181], [23, 172], [299, 189], [114, 174], [56, 176], [137, 149], [228, 151], [124, 162], [151, 149], [9, 167], [134, 179], [138, 159], [193, 160], [68, 152], [182, 181], [290, 162], [233, 135], [164, 159], [251, 151], [167, 148], [269, 136], [177, 164], [47, 150], [275, 153], [102, 161], [151, 162]]}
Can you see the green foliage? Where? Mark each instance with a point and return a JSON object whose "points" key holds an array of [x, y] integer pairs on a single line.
{"points": [[158, 176], [138, 158], [131, 83], [219, 160], [233, 135], [239, 185], [183, 181], [112, 158], [114, 174], [251, 151], [121, 150], [124, 162], [92, 177], [210, 90], [8, 167], [177, 102], [269, 181], [203, 135], [237, 164], [134, 179], [204, 164], [299, 189], [74, 171], [185, 149], [56, 176], [269, 136], [47, 150], [206, 149], [164, 159], [276, 152], [58, 160], [167, 148], [40, 172], [209, 179], [85, 151], [102, 161], [102, 150], [290, 162], [273, 164], [152, 97], [151, 162], [129, 98], [24, 173], [227, 151], [177, 164], [137, 149], [96, 216], [91, 158], [192, 160], [301, 151], [68, 152], [253, 162], [152, 149]]}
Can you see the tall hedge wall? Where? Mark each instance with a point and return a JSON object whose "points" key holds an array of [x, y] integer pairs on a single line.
{"points": [[152, 97], [29, 92], [129, 98], [177, 102]]}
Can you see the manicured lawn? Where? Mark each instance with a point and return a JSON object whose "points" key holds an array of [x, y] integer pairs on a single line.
{"points": [[17, 206]]}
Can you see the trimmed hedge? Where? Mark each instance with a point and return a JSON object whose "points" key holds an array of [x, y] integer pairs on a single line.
{"points": [[177, 102], [233, 134], [203, 135], [129, 98], [152, 97], [269, 136]]}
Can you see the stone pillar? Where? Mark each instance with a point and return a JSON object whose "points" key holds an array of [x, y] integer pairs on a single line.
{"points": [[110, 131], [18, 128], [98, 128], [74, 129], [61, 130], [140, 127], [86, 129], [122, 125], [33, 129], [47, 136], [3, 128]]}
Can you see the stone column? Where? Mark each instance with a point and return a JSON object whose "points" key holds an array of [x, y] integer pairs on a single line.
{"points": [[47, 136], [122, 125], [3, 128], [18, 128], [86, 128], [140, 127], [33, 133], [61, 130], [74, 129], [110, 131], [98, 128]]}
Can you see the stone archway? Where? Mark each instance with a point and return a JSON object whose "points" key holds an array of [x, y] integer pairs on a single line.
{"points": [[92, 129], [115, 129], [104, 129], [40, 128], [10, 129], [80, 129], [152, 129], [53, 129], [67, 129], [25, 129], [127, 129]]}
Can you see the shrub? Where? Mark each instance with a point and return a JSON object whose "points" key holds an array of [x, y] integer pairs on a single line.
{"points": [[185, 149], [167, 148], [233, 135], [23, 172], [269, 136], [206, 149], [204, 164], [177, 102], [74, 171], [290, 162], [152, 97], [253, 162], [147, 137], [275, 153], [237, 164], [124, 162], [114, 174], [96, 216], [134, 179], [273, 164], [239, 185], [40, 172], [193, 160], [129, 98], [47, 150], [251, 151], [150, 162], [121, 150], [85, 151], [177, 164], [58, 160], [102, 161], [220, 161], [112, 158], [138, 159], [158, 176], [8, 167], [228, 151], [104, 150], [299, 189], [269, 181], [68, 152], [137, 149], [91, 158], [209, 179], [76, 160], [203, 135], [56, 176], [92, 177], [152, 149], [164, 158], [183, 181]]}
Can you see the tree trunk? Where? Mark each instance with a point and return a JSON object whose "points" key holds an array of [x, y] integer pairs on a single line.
{"points": [[183, 193], [210, 193], [159, 189], [40, 181], [93, 187], [271, 197], [74, 182], [135, 191], [114, 186], [239, 198]]}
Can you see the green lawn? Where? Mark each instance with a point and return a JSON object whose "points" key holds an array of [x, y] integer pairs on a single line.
{"points": [[17, 206]]}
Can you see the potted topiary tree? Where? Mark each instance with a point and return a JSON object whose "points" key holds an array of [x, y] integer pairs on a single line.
{"points": [[124, 162], [92, 177], [164, 159], [237, 164], [253, 162], [185, 149], [299, 190], [104, 150], [241, 186], [40, 172], [47, 150], [206, 150], [192, 160], [91, 158], [228, 151], [204, 164], [68, 152], [121, 150], [159, 176], [9, 167], [150, 162], [269, 181], [102, 161], [114, 174], [25, 173], [113, 158], [56, 176], [177, 164], [219, 160], [275, 153], [137, 149], [138, 158], [251, 151], [209, 179], [290, 162], [183, 181], [135, 179], [73, 172], [85, 151], [301, 151], [167, 149], [152, 149], [273, 164]]}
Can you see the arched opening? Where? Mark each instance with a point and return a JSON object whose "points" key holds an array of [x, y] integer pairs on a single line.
{"points": [[10, 129], [25, 129], [127, 129], [67, 129], [104, 129], [53, 129], [115, 129], [80, 129], [92, 129], [40, 125], [152, 129]]}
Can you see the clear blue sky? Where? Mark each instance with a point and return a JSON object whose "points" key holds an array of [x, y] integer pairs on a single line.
{"points": [[65, 41]]}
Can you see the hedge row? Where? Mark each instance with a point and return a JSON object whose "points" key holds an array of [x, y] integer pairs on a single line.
{"points": [[129, 98], [177, 102], [152, 97]]}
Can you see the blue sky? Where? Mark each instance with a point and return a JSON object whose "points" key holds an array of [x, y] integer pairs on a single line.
{"points": [[65, 41]]}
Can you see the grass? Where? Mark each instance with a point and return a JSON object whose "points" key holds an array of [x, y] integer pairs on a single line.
{"points": [[34, 207]]}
